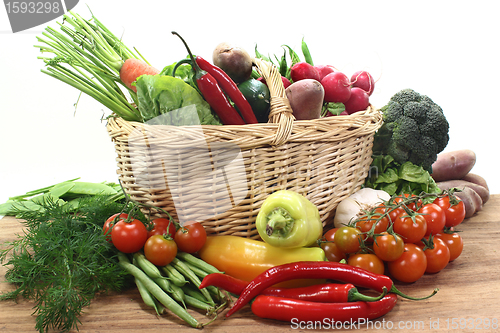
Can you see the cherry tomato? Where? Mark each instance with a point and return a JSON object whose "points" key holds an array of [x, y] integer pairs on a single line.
{"points": [[454, 242], [162, 226], [160, 250], [411, 228], [381, 222], [388, 247], [410, 266], [330, 234], [348, 239], [435, 217], [367, 261], [332, 252], [437, 257], [129, 237], [191, 237], [455, 214], [107, 225], [405, 197]]}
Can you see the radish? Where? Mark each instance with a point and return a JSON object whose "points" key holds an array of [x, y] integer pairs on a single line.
{"points": [[286, 82], [358, 101], [324, 70], [302, 70], [132, 69], [363, 80], [337, 87]]}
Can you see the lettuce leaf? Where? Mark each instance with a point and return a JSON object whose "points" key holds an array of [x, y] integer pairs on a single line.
{"points": [[158, 95]]}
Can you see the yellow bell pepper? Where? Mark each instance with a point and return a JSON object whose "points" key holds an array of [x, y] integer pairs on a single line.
{"points": [[245, 258], [288, 219]]}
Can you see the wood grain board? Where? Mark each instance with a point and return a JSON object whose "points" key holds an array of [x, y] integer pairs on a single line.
{"points": [[468, 297]]}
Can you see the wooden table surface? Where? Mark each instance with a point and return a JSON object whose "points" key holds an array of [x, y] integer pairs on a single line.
{"points": [[468, 299]]}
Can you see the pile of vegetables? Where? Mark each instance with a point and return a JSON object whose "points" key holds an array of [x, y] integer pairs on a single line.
{"points": [[94, 238]]}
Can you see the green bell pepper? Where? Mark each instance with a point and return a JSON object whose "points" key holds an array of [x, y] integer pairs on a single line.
{"points": [[288, 219]]}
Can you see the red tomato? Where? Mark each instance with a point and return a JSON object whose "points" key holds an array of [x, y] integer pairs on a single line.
{"points": [[437, 257], [191, 237], [332, 252], [348, 239], [108, 224], [129, 237], [410, 266], [410, 201], [435, 217], [160, 250], [388, 247], [162, 226], [411, 228], [455, 214], [454, 242], [330, 234], [367, 261], [378, 218]]}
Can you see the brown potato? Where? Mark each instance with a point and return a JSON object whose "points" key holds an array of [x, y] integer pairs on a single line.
{"points": [[453, 165], [306, 99]]}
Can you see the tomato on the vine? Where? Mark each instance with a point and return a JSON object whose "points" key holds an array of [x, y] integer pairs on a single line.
{"points": [[129, 236], [435, 217], [191, 237], [378, 218], [388, 247], [108, 224], [332, 252], [160, 250], [414, 205], [438, 256], [454, 242], [348, 239], [411, 227], [410, 266], [454, 210], [368, 261], [330, 235], [162, 226]]}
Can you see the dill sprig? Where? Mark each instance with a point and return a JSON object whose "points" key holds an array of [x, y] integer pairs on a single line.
{"points": [[62, 261]]}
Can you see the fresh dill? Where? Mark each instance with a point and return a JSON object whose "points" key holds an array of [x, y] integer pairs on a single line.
{"points": [[62, 261]]}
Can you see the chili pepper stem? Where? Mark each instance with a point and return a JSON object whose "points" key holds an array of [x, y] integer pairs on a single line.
{"points": [[279, 220], [398, 292], [355, 295]]}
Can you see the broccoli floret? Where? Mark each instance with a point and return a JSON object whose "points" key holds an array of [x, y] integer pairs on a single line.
{"points": [[415, 129]]}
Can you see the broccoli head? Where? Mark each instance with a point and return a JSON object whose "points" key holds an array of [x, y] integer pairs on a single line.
{"points": [[415, 129]]}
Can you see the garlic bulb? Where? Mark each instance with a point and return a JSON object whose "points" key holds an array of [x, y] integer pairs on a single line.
{"points": [[354, 206]]}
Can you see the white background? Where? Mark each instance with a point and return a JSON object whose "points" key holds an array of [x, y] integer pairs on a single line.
{"points": [[447, 50]]}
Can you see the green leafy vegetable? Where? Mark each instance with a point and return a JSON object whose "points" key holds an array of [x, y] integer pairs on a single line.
{"points": [[62, 260], [161, 94], [395, 178]]}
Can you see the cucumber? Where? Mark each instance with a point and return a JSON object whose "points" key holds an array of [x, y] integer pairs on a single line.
{"points": [[259, 98]]}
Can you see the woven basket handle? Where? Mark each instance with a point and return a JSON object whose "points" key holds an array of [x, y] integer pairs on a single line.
{"points": [[280, 113]]}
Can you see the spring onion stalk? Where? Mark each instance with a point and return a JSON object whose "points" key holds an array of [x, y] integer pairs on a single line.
{"points": [[88, 57]]}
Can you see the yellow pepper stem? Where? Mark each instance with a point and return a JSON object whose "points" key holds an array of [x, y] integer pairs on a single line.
{"points": [[279, 221]]}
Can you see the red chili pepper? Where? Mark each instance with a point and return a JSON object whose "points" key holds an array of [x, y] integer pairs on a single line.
{"points": [[287, 309], [315, 270], [324, 292], [229, 86], [213, 94]]}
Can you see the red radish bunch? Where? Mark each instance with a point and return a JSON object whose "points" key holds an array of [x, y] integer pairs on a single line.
{"points": [[353, 92]]}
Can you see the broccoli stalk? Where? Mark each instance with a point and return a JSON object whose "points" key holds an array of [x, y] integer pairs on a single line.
{"points": [[415, 129]]}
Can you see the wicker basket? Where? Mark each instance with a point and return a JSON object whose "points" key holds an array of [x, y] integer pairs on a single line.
{"points": [[220, 175]]}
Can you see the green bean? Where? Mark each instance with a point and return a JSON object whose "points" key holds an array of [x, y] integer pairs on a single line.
{"points": [[86, 188], [194, 292], [184, 269], [198, 304], [189, 258], [157, 292], [147, 266], [177, 278], [146, 296], [164, 284], [178, 294], [307, 54]]}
